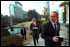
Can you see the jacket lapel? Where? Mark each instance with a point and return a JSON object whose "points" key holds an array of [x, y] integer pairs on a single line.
{"points": [[51, 25]]}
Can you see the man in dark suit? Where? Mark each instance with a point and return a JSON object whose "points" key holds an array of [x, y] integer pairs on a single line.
{"points": [[23, 33], [50, 31], [35, 31]]}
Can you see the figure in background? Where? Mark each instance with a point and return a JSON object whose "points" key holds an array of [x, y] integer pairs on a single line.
{"points": [[34, 27], [23, 33]]}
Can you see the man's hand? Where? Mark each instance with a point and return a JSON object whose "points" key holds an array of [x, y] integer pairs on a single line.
{"points": [[55, 39]]}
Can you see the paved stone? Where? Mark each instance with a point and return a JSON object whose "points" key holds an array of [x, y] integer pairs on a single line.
{"points": [[63, 32], [41, 43]]}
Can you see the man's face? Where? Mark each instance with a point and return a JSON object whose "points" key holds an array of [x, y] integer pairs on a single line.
{"points": [[53, 17], [34, 20]]}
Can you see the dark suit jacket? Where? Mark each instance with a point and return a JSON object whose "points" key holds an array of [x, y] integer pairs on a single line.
{"points": [[23, 33], [48, 33], [34, 32]]}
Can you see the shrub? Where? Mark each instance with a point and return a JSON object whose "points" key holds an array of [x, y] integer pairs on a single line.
{"points": [[66, 25], [4, 32]]}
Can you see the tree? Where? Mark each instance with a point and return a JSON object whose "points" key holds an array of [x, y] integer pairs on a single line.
{"points": [[64, 4], [46, 13], [4, 21], [32, 13]]}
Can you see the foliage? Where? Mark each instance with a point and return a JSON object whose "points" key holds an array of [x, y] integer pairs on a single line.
{"points": [[66, 25], [4, 32], [31, 14], [64, 3], [4, 21]]}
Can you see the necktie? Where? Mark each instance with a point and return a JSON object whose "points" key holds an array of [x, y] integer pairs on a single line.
{"points": [[55, 29]]}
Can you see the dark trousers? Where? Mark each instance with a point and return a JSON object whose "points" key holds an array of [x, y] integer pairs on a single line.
{"points": [[35, 39], [24, 37]]}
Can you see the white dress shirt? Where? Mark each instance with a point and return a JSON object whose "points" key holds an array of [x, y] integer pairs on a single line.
{"points": [[53, 25]]}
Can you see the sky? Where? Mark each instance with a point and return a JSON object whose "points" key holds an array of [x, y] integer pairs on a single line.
{"points": [[26, 5]]}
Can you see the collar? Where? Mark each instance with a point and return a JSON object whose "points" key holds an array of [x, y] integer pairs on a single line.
{"points": [[53, 23]]}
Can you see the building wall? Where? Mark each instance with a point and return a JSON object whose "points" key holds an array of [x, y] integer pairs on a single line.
{"points": [[11, 10], [12, 2], [54, 6], [47, 6], [18, 12], [16, 9], [67, 14], [18, 4], [61, 10]]}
